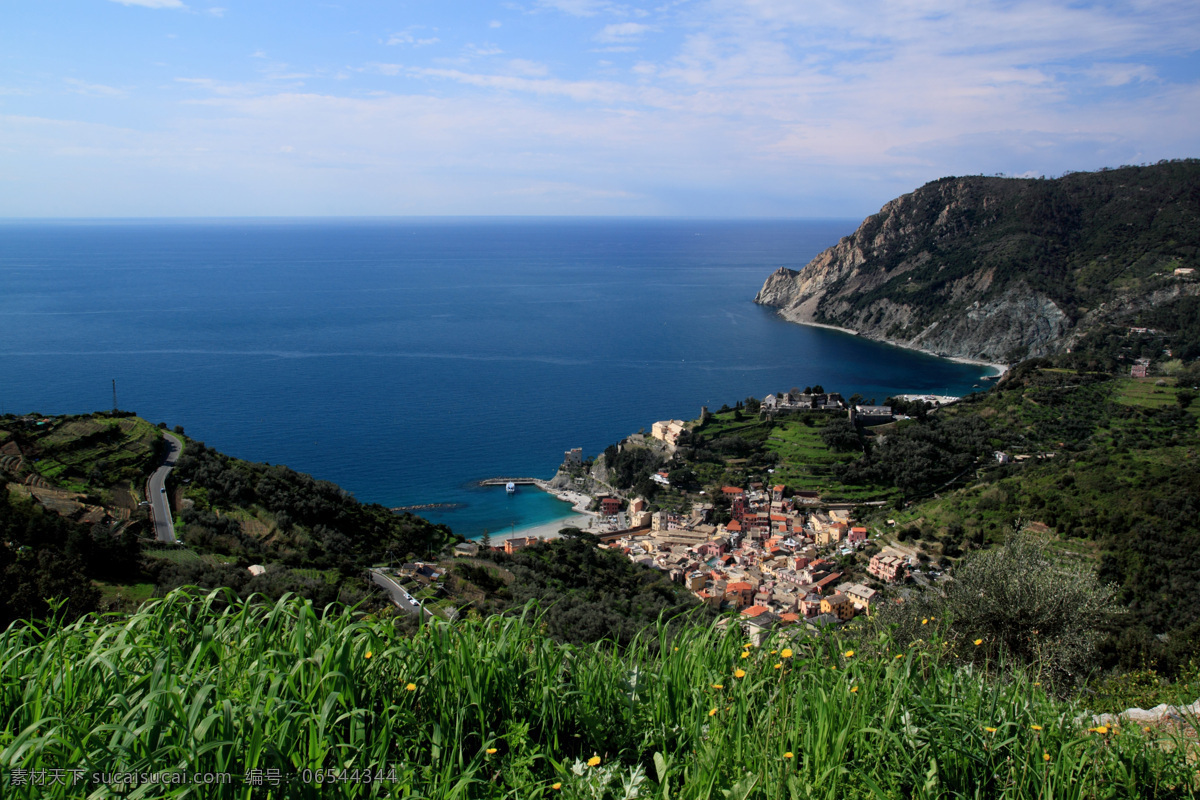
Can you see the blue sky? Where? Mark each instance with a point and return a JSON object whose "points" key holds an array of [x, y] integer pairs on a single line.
{"points": [[730, 108]]}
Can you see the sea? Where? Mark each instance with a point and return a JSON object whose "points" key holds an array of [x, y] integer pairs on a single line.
{"points": [[408, 359]]}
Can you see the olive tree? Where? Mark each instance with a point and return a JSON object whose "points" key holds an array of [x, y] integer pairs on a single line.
{"points": [[1019, 603]]}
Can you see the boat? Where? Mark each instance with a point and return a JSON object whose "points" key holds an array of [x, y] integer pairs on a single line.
{"points": [[510, 487]]}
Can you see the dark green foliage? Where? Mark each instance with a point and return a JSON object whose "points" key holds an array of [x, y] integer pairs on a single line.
{"points": [[318, 523], [273, 584], [1113, 463], [587, 594], [34, 567], [918, 457], [1077, 239], [841, 436], [1017, 602], [1173, 326], [628, 466]]}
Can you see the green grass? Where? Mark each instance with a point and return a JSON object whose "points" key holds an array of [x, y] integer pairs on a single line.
{"points": [[493, 708], [806, 463], [1143, 392], [126, 595], [329, 576], [178, 555]]}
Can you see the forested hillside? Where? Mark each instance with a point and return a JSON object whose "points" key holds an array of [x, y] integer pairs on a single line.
{"points": [[1007, 268], [74, 522]]}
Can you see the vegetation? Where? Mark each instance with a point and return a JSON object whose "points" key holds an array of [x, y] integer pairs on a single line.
{"points": [[495, 709], [72, 520], [1014, 603], [1080, 239], [588, 594], [1108, 470]]}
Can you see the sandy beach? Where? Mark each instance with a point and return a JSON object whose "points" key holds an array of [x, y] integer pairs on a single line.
{"points": [[547, 530]]}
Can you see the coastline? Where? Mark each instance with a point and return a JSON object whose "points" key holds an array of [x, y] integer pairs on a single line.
{"points": [[1000, 368], [579, 518], [545, 530]]}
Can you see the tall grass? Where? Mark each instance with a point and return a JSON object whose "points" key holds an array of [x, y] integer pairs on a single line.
{"points": [[494, 708]]}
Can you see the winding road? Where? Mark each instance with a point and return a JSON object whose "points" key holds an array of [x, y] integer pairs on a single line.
{"points": [[400, 596], [160, 505]]}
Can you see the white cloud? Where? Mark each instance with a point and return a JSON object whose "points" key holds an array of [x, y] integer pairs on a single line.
{"points": [[1121, 74], [494, 23], [93, 89], [622, 32], [407, 37], [481, 50], [152, 3], [805, 105], [532, 69]]}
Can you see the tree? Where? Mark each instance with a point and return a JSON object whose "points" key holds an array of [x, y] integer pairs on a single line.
{"points": [[1018, 603], [841, 436]]}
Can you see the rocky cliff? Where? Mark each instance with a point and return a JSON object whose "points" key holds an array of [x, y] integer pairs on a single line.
{"points": [[999, 269]]}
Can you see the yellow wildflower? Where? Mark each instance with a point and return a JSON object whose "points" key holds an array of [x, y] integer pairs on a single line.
{"points": [[899, 655], [990, 730], [1102, 729], [556, 786], [848, 654], [718, 686], [368, 654], [788, 754], [745, 654], [787, 653], [712, 712], [1036, 727], [853, 689], [410, 687], [491, 751], [1045, 756], [741, 673], [779, 665], [594, 761], [978, 642], [925, 621]]}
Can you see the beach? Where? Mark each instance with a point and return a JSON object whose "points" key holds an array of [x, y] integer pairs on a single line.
{"points": [[547, 530]]}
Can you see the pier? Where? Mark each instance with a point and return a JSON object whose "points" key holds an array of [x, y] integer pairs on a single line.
{"points": [[518, 481]]}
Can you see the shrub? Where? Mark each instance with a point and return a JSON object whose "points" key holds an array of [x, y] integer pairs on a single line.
{"points": [[1022, 604]]}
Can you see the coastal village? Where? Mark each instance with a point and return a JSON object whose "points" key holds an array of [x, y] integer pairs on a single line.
{"points": [[782, 558]]}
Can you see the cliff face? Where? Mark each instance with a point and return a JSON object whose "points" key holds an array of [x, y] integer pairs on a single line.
{"points": [[999, 269]]}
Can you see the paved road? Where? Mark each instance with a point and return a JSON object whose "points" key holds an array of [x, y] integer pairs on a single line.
{"points": [[160, 506], [400, 597]]}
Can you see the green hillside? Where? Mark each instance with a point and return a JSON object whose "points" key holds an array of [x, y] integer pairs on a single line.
{"points": [[74, 522], [1078, 239]]}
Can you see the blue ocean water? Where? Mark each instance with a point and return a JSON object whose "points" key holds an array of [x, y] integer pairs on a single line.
{"points": [[405, 359]]}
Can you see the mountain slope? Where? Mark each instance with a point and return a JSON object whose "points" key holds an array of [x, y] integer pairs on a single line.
{"points": [[1004, 268]]}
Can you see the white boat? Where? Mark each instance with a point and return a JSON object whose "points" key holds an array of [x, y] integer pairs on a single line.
{"points": [[510, 487]]}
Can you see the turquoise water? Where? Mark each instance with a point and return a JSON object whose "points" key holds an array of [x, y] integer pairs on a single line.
{"points": [[407, 359]]}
